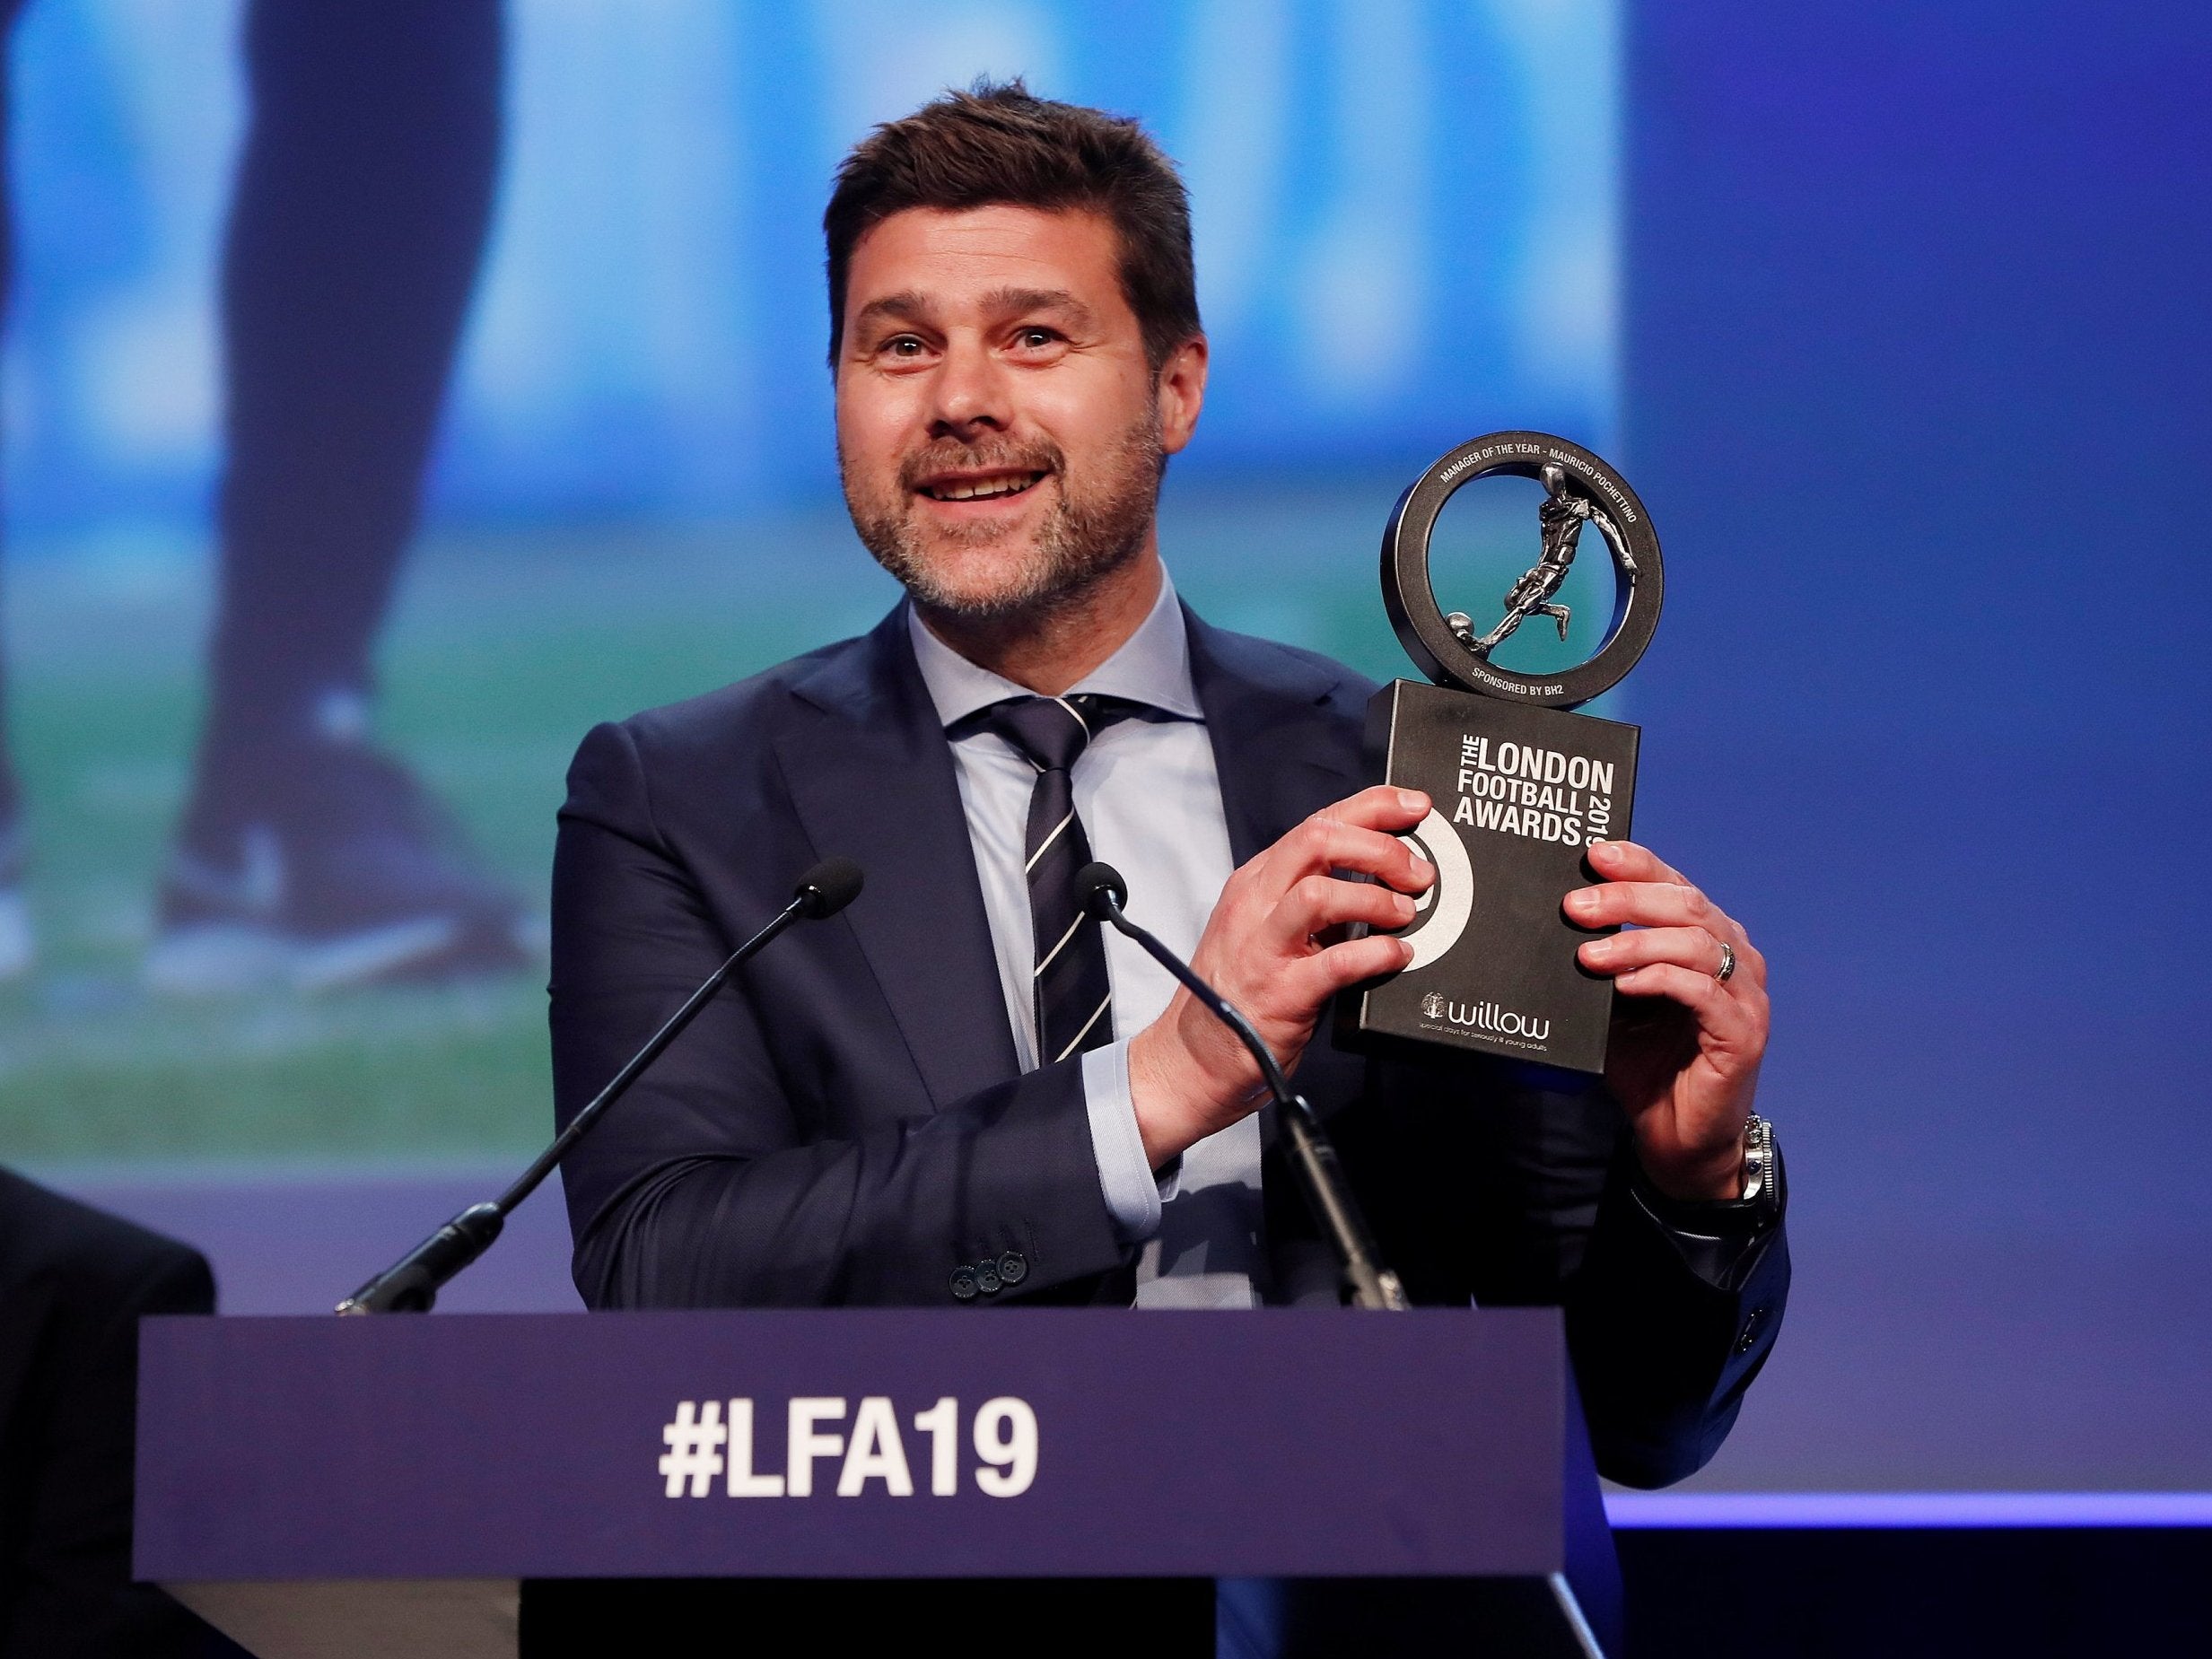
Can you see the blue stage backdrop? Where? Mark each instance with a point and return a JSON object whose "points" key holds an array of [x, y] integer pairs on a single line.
{"points": [[1894, 317], [1406, 217]]}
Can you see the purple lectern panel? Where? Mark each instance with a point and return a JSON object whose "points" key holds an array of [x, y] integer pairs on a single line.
{"points": [[856, 1444]]}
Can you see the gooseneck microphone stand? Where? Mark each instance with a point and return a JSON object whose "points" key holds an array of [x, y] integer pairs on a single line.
{"points": [[411, 1284], [1312, 1154]]}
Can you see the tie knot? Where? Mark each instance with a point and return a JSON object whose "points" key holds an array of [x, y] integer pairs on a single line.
{"points": [[1051, 732]]}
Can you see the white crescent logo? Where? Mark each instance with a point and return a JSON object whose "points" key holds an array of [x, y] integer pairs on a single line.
{"points": [[1443, 910]]}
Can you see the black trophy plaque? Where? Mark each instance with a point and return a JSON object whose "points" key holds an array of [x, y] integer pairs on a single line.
{"points": [[1520, 787]]}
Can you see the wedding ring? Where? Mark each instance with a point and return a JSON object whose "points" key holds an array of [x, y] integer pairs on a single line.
{"points": [[1727, 969]]}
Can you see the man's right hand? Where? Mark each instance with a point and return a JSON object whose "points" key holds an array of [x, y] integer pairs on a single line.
{"points": [[1264, 949]]}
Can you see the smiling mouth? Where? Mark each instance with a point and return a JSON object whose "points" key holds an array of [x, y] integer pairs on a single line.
{"points": [[982, 489]]}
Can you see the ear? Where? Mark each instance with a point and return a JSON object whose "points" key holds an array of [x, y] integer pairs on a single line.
{"points": [[1180, 388]]}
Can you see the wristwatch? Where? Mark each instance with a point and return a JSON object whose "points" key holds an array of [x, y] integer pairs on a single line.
{"points": [[1756, 1205], [1759, 1161]]}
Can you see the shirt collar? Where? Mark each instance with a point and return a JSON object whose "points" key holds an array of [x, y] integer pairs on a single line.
{"points": [[1152, 666]]}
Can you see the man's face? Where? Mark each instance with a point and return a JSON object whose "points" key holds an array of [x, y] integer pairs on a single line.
{"points": [[1000, 432]]}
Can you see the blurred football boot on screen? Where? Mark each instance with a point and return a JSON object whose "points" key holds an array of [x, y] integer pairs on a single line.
{"points": [[321, 863]]}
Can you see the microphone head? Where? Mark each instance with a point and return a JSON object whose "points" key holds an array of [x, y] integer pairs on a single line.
{"points": [[828, 887], [1101, 888]]}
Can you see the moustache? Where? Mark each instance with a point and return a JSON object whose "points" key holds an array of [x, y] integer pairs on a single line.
{"points": [[1009, 456]]}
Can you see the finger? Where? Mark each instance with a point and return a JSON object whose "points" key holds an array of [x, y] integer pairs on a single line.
{"points": [[1324, 843], [1659, 908], [1690, 947], [1319, 903], [1651, 904], [1381, 805], [1626, 861], [1323, 975], [1728, 1020]]}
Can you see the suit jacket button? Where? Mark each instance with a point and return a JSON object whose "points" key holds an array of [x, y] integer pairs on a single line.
{"points": [[987, 1277], [963, 1285], [1013, 1268]]}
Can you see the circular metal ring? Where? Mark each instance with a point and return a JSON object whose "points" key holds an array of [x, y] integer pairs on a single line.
{"points": [[1726, 970], [1440, 652]]}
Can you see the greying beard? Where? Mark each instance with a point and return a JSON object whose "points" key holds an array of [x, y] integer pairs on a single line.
{"points": [[1081, 542]]}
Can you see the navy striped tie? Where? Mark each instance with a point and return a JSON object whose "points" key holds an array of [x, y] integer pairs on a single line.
{"points": [[1073, 1000]]}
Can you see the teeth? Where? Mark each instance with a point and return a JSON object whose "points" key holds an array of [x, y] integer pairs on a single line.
{"points": [[984, 490]]}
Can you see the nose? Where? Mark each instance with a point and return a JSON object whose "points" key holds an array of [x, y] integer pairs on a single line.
{"points": [[968, 392]]}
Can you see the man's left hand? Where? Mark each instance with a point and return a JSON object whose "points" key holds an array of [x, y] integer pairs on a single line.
{"points": [[1685, 1056]]}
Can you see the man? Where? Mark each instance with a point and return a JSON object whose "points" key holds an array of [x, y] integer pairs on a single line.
{"points": [[73, 1285], [959, 1094]]}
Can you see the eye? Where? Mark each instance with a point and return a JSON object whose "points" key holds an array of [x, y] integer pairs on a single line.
{"points": [[903, 345], [1037, 337]]}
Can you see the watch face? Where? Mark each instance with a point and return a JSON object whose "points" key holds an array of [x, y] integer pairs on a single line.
{"points": [[1756, 1170], [1768, 1158]]}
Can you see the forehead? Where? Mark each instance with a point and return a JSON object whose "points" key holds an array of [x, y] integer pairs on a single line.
{"points": [[952, 258]]}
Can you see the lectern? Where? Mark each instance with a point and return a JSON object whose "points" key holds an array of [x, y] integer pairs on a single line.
{"points": [[339, 1487]]}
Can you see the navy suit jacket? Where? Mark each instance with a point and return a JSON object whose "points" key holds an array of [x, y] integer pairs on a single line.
{"points": [[848, 1125], [73, 1283]]}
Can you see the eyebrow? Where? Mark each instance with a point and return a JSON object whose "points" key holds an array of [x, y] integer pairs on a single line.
{"points": [[908, 305], [904, 306], [1007, 302]]}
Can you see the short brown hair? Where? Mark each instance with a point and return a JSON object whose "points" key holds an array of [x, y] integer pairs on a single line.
{"points": [[996, 144]]}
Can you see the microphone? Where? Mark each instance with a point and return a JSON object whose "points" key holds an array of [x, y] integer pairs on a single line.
{"points": [[1103, 893], [411, 1284]]}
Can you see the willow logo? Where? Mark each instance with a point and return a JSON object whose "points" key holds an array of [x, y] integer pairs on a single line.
{"points": [[1485, 1016], [1440, 915]]}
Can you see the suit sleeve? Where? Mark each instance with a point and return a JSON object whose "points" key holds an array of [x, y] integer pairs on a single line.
{"points": [[1530, 1191], [71, 1443], [1663, 1352], [716, 1182]]}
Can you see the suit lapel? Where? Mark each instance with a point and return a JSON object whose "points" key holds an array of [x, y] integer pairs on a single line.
{"points": [[871, 777], [1279, 755]]}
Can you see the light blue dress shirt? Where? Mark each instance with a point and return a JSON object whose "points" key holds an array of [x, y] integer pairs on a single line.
{"points": [[1150, 801]]}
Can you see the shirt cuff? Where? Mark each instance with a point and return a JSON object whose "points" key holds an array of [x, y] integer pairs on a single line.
{"points": [[1720, 1242], [1133, 1193]]}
